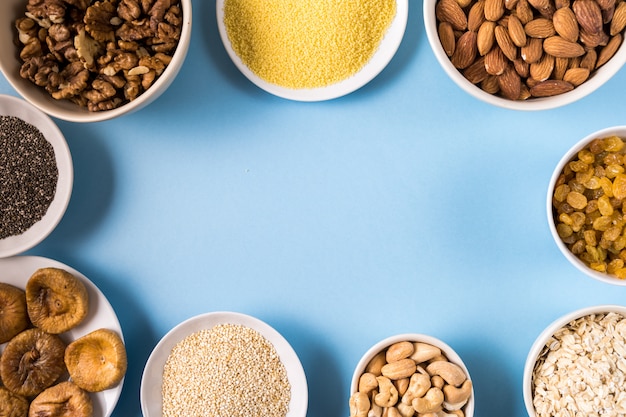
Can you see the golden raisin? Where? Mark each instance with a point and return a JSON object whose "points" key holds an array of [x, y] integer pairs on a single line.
{"points": [[619, 186], [576, 200]]}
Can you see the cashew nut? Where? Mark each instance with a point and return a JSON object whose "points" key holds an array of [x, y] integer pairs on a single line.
{"points": [[403, 368], [455, 398], [359, 405], [431, 402], [418, 386], [376, 363], [392, 412], [423, 352], [401, 385], [450, 372], [400, 350], [375, 409], [367, 382], [437, 381], [406, 410], [388, 394]]}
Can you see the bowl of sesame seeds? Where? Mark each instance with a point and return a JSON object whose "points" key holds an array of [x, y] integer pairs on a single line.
{"points": [[223, 363], [310, 50], [36, 175]]}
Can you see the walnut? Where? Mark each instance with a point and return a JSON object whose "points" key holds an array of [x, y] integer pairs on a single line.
{"points": [[97, 20], [87, 48], [132, 89], [74, 80], [129, 10], [60, 43], [47, 10], [32, 48], [136, 30], [174, 16], [166, 39], [26, 28], [157, 12], [38, 69]]}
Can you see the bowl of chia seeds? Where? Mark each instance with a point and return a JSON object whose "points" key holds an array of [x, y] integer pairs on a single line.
{"points": [[223, 363], [36, 176]]}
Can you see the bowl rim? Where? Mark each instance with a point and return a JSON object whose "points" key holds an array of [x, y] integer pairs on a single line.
{"points": [[545, 334], [580, 265], [598, 78], [17, 107], [378, 62], [152, 377], [69, 112], [450, 353]]}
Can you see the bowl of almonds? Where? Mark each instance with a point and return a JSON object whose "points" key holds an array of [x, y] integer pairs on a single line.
{"points": [[88, 61], [586, 205], [577, 365], [527, 54], [411, 374]]}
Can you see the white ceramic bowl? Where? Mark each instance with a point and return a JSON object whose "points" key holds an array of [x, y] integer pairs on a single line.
{"points": [[595, 81], [66, 110], [13, 106], [546, 337], [152, 379], [452, 356], [377, 63], [573, 151]]}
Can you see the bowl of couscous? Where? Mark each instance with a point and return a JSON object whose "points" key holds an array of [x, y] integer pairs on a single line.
{"points": [[311, 51], [584, 205], [223, 363]]}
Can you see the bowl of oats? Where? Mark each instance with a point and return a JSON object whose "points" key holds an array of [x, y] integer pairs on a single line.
{"points": [[584, 205], [85, 61], [528, 54], [577, 365], [223, 363]]}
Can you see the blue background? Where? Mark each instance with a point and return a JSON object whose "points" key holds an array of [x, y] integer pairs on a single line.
{"points": [[406, 206]]}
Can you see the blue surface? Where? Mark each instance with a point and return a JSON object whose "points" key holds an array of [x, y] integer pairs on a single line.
{"points": [[406, 206]]}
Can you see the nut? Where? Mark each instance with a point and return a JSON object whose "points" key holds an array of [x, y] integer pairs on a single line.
{"points": [[402, 368], [561, 48]]}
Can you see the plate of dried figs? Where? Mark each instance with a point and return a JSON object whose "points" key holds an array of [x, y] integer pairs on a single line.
{"points": [[68, 321]]}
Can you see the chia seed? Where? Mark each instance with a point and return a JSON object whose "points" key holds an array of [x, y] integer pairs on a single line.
{"points": [[28, 176]]}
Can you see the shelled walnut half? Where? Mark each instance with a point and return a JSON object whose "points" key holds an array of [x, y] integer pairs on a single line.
{"points": [[98, 54]]}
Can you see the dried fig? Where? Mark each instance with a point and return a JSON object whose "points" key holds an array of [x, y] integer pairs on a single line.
{"points": [[13, 315], [12, 405], [96, 361], [57, 301], [32, 361], [62, 400]]}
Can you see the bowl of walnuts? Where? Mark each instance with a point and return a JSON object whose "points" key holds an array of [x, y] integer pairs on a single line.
{"points": [[527, 54], [585, 205], [88, 61]]}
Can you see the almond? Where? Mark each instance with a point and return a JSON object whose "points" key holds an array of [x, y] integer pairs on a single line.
{"points": [[505, 43], [494, 9], [476, 72], [510, 4], [522, 67], [516, 31], [485, 38], [464, 3], [495, 61], [595, 39], [618, 23], [559, 4], [476, 16], [609, 50], [510, 83], [450, 11], [533, 50], [490, 84], [561, 65], [550, 88], [576, 76], [544, 7], [524, 12], [565, 24], [589, 60], [589, 15], [542, 69], [559, 47], [465, 50], [540, 28], [446, 37]]}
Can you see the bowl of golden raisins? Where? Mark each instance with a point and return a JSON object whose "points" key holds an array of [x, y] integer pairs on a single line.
{"points": [[89, 61], [586, 205]]}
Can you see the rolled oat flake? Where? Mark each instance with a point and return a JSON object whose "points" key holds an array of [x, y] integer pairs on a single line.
{"points": [[28, 176]]}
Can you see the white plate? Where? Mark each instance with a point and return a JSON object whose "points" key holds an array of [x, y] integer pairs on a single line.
{"points": [[152, 379], [17, 270], [12, 106], [382, 57]]}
